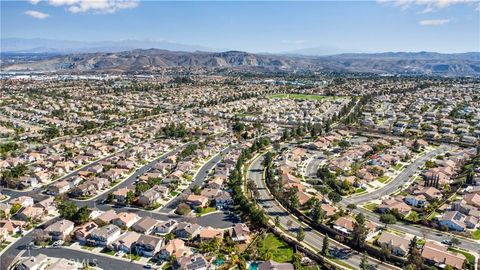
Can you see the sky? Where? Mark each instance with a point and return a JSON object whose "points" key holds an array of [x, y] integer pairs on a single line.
{"points": [[273, 26]]}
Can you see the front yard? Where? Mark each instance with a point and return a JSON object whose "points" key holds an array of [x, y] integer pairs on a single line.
{"points": [[476, 234], [206, 210]]}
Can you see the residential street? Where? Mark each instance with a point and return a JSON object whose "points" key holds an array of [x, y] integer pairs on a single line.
{"points": [[312, 237], [401, 179]]}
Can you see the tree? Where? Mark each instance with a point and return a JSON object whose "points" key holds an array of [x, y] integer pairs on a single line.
{"points": [[82, 215], [41, 238], [385, 252], [141, 187], [317, 214], [196, 190], [388, 219], [110, 197], [297, 261], [67, 209], [130, 197], [364, 265], [334, 197], [359, 233], [300, 234], [455, 241], [183, 209], [326, 246], [414, 257], [15, 208]]}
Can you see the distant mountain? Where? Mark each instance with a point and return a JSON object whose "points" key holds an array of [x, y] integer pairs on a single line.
{"points": [[152, 60], [37, 45], [319, 51]]}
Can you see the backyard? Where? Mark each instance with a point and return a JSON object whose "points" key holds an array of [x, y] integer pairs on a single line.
{"points": [[271, 247]]}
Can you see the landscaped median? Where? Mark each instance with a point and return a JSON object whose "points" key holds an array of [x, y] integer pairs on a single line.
{"points": [[301, 245]]}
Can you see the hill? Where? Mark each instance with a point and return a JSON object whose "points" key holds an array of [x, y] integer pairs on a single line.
{"points": [[151, 60]]}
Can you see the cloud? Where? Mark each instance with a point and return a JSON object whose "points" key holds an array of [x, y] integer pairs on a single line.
{"points": [[429, 5], [36, 14], [96, 6], [434, 22], [34, 2]]}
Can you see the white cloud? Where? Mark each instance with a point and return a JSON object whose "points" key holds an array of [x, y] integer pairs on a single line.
{"points": [[97, 6], [430, 5], [36, 14], [434, 22], [34, 2]]}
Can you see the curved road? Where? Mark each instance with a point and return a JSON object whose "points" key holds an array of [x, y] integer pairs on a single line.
{"points": [[396, 183], [312, 237]]}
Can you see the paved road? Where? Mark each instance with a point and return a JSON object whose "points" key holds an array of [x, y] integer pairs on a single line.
{"points": [[396, 183], [36, 193], [9, 255], [129, 182], [271, 208], [417, 230], [84, 257], [312, 166], [198, 180], [219, 219]]}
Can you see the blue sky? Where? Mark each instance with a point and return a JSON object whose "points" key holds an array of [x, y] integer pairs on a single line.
{"points": [[365, 26]]}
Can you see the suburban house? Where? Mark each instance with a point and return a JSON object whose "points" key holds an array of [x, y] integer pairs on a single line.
{"points": [[192, 262], [125, 242], [152, 196], [166, 227], [344, 225], [12, 226], [106, 217], [223, 200], [269, 265], [148, 245], [208, 233], [125, 219], [438, 255], [187, 230], [453, 220], [146, 225], [240, 233], [60, 229], [176, 248], [398, 245], [196, 201], [83, 231], [104, 235]]}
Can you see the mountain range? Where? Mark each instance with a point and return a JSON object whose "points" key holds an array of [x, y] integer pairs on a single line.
{"points": [[153, 60], [40, 45]]}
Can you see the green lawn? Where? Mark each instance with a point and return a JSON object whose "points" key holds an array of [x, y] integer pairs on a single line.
{"points": [[476, 234], [298, 96], [205, 210], [359, 190], [88, 248], [371, 206], [397, 166], [109, 252], [173, 193], [4, 244], [281, 251], [432, 216], [383, 179], [132, 257]]}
